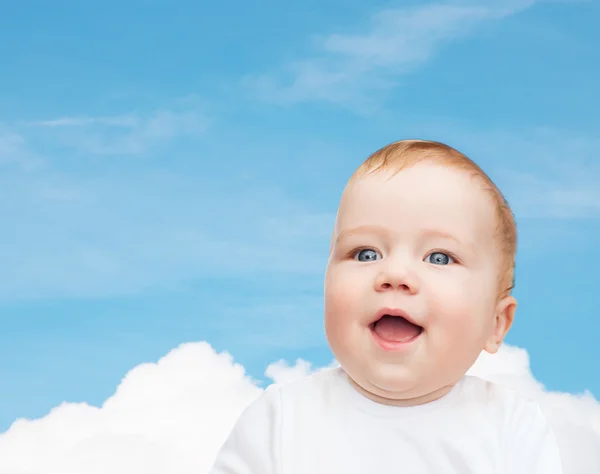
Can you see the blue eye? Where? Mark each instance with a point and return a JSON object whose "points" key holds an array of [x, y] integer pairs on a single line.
{"points": [[439, 258], [367, 255]]}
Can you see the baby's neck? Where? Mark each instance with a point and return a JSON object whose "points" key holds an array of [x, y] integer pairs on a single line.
{"points": [[402, 402]]}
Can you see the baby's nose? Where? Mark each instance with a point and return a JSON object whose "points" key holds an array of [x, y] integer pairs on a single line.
{"points": [[396, 279]]}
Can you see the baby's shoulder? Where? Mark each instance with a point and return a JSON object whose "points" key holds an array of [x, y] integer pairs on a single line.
{"points": [[500, 401], [489, 392]]}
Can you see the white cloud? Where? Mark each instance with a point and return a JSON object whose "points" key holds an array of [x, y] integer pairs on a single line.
{"points": [[350, 69], [173, 416], [164, 417]]}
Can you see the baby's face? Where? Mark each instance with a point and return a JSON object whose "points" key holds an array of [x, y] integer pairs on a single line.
{"points": [[421, 245]]}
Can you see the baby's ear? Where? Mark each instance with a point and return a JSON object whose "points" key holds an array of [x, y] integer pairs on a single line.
{"points": [[503, 319]]}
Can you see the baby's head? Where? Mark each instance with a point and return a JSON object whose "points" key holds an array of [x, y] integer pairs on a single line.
{"points": [[420, 272]]}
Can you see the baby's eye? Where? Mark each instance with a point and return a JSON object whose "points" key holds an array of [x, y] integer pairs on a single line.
{"points": [[367, 255], [439, 258]]}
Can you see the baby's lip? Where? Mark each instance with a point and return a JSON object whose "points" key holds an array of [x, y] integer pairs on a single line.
{"points": [[393, 312]]}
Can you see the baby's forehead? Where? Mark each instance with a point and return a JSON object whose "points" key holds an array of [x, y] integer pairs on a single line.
{"points": [[426, 195], [430, 181]]}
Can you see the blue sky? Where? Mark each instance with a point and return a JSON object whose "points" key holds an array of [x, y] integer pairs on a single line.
{"points": [[171, 170]]}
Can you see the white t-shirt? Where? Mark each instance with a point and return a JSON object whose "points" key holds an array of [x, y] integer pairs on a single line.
{"points": [[323, 425]]}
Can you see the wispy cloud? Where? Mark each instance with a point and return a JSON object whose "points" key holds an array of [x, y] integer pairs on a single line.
{"points": [[14, 150], [91, 232], [103, 235], [127, 121], [567, 198], [352, 69], [553, 174], [125, 134]]}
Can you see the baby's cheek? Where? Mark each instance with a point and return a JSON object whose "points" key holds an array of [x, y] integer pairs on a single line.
{"points": [[453, 306], [343, 285], [339, 311], [449, 292], [337, 299]]}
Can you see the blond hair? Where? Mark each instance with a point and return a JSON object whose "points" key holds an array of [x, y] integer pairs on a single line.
{"points": [[401, 154]]}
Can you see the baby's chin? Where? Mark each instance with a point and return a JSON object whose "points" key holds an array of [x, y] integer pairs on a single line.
{"points": [[398, 388]]}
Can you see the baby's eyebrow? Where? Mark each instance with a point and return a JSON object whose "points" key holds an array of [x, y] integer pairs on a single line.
{"points": [[363, 229], [440, 233], [447, 235]]}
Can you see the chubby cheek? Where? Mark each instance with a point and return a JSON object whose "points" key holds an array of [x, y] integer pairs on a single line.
{"points": [[342, 305], [342, 292], [460, 312]]}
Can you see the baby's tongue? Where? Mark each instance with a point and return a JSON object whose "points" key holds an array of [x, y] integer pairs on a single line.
{"points": [[396, 329]]}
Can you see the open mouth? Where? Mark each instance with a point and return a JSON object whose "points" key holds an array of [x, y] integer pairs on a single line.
{"points": [[395, 329]]}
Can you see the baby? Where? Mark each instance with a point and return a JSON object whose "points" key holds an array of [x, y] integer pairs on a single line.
{"points": [[418, 284]]}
